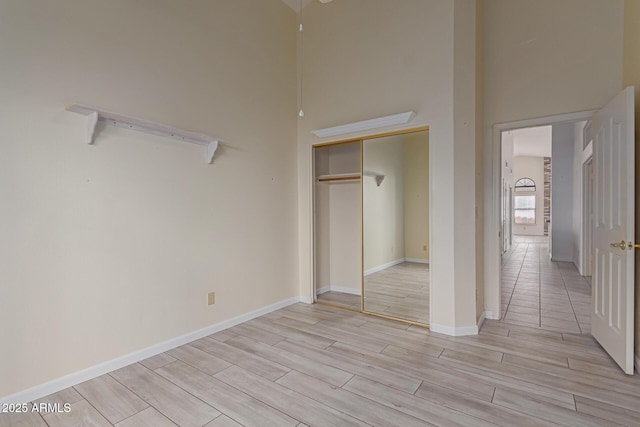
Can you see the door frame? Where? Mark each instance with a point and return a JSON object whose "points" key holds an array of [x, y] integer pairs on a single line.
{"points": [[360, 140], [492, 244], [586, 251]]}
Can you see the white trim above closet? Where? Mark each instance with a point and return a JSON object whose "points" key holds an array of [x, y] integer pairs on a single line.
{"points": [[365, 125]]}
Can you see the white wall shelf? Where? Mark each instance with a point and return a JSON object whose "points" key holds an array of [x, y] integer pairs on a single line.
{"points": [[128, 122]]}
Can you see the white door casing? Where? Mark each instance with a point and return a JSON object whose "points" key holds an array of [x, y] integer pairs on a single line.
{"points": [[612, 295]]}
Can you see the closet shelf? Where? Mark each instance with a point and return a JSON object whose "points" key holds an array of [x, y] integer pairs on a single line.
{"points": [[128, 122], [339, 177]]}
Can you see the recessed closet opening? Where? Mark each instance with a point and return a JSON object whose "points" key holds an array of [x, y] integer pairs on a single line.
{"points": [[371, 225], [338, 259]]}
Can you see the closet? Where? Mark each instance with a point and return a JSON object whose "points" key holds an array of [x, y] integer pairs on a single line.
{"points": [[337, 224], [371, 225]]}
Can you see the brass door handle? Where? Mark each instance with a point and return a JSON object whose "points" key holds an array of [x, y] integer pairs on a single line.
{"points": [[622, 245], [632, 245]]}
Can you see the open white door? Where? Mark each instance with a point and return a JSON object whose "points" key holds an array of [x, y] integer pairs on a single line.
{"points": [[613, 234]]}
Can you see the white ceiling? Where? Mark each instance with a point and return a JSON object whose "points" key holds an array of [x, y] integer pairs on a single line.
{"points": [[535, 142]]}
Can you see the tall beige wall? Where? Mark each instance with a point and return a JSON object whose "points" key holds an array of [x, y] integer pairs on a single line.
{"points": [[383, 207], [344, 220], [480, 167], [631, 76], [462, 174], [407, 50], [416, 196], [108, 249], [542, 58]]}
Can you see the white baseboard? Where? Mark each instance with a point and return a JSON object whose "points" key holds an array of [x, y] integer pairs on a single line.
{"points": [[417, 260], [489, 315], [453, 331], [345, 290], [561, 259], [335, 288], [306, 300], [59, 384], [383, 266], [322, 290], [483, 316]]}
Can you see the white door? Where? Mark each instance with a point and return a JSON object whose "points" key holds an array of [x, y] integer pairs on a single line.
{"points": [[613, 283]]}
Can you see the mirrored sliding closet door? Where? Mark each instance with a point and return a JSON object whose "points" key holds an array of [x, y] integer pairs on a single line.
{"points": [[395, 226]]}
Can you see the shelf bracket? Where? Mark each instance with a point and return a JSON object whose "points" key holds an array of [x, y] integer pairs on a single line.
{"points": [[92, 121], [94, 115], [211, 150], [377, 176]]}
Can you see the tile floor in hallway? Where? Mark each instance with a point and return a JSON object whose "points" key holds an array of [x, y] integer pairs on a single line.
{"points": [[539, 292]]}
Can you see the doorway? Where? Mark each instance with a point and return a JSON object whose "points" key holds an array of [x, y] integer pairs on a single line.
{"points": [[531, 253], [541, 287]]}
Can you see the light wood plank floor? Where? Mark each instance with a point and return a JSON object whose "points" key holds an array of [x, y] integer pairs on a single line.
{"points": [[541, 293], [400, 291], [321, 366]]}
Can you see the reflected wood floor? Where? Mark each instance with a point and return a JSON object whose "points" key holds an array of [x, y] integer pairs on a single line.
{"points": [[400, 291], [340, 298], [322, 366]]}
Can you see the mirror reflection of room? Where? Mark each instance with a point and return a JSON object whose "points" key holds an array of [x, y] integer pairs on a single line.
{"points": [[338, 259], [395, 211]]}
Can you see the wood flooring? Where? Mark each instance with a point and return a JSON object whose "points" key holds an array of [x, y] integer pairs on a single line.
{"points": [[400, 291], [350, 301], [316, 365]]}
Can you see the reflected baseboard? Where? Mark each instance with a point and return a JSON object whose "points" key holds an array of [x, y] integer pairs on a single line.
{"points": [[394, 262], [335, 288], [417, 260], [383, 266]]}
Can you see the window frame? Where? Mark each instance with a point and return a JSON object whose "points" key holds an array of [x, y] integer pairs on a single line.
{"points": [[524, 187]]}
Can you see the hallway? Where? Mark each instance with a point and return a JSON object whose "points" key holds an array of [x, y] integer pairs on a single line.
{"points": [[537, 292]]}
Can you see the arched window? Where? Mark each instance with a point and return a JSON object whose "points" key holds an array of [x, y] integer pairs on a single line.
{"points": [[525, 184], [524, 206]]}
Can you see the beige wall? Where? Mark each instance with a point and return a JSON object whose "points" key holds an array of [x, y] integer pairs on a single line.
{"points": [[407, 51], [480, 167], [383, 208], [416, 196], [461, 305], [344, 219], [337, 220], [111, 248], [322, 223], [542, 58], [346, 243], [631, 76]]}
